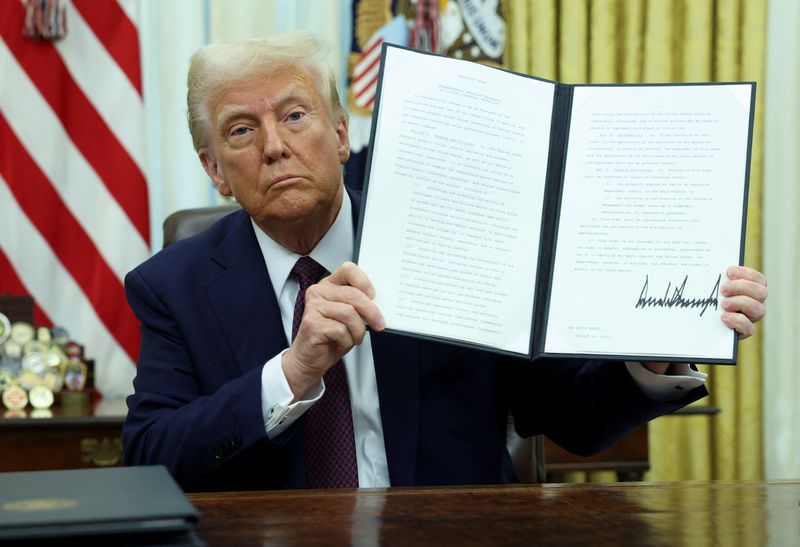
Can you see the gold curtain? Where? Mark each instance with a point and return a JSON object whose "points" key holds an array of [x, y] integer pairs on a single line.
{"points": [[630, 41]]}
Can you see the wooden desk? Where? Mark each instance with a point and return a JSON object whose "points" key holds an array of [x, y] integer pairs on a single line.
{"points": [[669, 514]]}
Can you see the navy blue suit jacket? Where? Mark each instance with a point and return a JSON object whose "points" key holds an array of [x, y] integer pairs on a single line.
{"points": [[210, 320]]}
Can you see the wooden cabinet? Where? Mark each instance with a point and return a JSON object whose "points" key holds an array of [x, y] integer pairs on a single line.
{"points": [[79, 438], [628, 458]]}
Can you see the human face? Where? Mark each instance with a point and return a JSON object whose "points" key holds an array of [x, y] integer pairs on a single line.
{"points": [[274, 147]]}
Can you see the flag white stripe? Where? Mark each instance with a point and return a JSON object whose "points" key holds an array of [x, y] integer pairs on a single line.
{"points": [[366, 80], [364, 100], [112, 94], [60, 297], [40, 131], [376, 38]]}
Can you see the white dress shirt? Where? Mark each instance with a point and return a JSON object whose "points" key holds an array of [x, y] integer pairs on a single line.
{"points": [[335, 248]]}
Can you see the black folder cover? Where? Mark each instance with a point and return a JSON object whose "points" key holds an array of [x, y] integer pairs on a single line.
{"points": [[121, 501]]}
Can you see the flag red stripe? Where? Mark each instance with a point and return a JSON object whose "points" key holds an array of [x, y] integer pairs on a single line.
{"points": [[118, 34], [75, 250], [370, 87], [86, 128], [10, 284]]}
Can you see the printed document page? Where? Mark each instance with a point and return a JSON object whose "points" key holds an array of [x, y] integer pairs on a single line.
{"points": [[651, 217], [451, 230]]}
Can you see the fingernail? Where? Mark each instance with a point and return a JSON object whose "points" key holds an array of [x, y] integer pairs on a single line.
{"points": [[732, 271], [371, 293]]}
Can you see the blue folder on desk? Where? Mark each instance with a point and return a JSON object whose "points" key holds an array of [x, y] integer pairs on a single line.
{"points": [[121, 501]]}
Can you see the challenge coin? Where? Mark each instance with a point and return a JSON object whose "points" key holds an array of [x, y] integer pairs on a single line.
{"points": [[34, 362], [41, 397], [15, 398], [22, 333]]}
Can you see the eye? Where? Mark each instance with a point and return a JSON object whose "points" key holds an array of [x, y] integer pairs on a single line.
{"points": [[239, 131], [296, 116]]}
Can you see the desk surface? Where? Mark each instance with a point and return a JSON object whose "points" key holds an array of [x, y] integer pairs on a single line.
{"points": [[695, 514]]}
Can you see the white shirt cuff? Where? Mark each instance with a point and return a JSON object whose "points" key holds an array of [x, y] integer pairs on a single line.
{"points": [[679, 379], [276, 398]]}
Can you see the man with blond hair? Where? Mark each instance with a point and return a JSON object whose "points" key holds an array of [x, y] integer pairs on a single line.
{"points": [[257, 369]]}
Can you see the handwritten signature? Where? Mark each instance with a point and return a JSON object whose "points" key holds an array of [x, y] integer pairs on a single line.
{"points": [[676, 299]]}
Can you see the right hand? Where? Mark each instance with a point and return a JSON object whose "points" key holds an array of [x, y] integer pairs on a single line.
{"points": [[336, 314]]}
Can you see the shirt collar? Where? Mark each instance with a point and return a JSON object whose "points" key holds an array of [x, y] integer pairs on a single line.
{"points": [[335, 247]]}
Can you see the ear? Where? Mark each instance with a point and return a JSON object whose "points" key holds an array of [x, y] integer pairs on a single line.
{"points": [[212, 169], [342, 132]]}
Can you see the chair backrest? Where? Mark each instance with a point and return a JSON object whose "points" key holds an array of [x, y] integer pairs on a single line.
{"points": [[187, 222]]}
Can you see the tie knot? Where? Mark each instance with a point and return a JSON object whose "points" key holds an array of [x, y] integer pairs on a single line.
{"points": [[307, 271]]}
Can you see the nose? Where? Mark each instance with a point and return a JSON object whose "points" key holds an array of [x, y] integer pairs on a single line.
{"points": [[274, 144]]}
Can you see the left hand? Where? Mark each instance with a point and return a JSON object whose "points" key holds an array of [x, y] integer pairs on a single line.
{"points": [[743, 305]]}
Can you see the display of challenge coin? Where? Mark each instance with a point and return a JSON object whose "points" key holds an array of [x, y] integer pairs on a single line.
{"points": [[60, 336], [6, 378], [53, 380], [15, 398], [44, 335], [55, 356], [28, 380], [22, 333], [41, 397], [34, 362], [35, 346], [5, 328], [12, 349]]}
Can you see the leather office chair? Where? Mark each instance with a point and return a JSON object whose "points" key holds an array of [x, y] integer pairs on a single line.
{"points": [[527, 455], [187, 222]]}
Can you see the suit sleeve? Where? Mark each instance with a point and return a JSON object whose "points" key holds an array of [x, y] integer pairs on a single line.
{"points": [[194, 429], [584, 406]]}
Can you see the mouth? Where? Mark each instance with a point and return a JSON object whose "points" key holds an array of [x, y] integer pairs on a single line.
{"points": [[284, 180]]}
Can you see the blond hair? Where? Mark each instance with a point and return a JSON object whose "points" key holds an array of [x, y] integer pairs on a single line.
{"points": [[216, 66]]}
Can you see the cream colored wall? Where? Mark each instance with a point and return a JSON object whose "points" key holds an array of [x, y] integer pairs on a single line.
{"points": [[781, 399]]}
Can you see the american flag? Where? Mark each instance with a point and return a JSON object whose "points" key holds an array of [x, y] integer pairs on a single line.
{"points": [[73, 195], [365, 73]]}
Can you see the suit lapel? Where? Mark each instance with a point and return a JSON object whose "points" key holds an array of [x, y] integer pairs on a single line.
{"points": [[242, 298]]}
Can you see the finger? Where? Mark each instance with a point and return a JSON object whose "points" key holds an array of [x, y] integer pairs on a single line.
{"points": [[346, 315], [318, 330], [743, 272], [350, 274], [351, 296], [744, 287], [753, 309], [738, 322]]}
